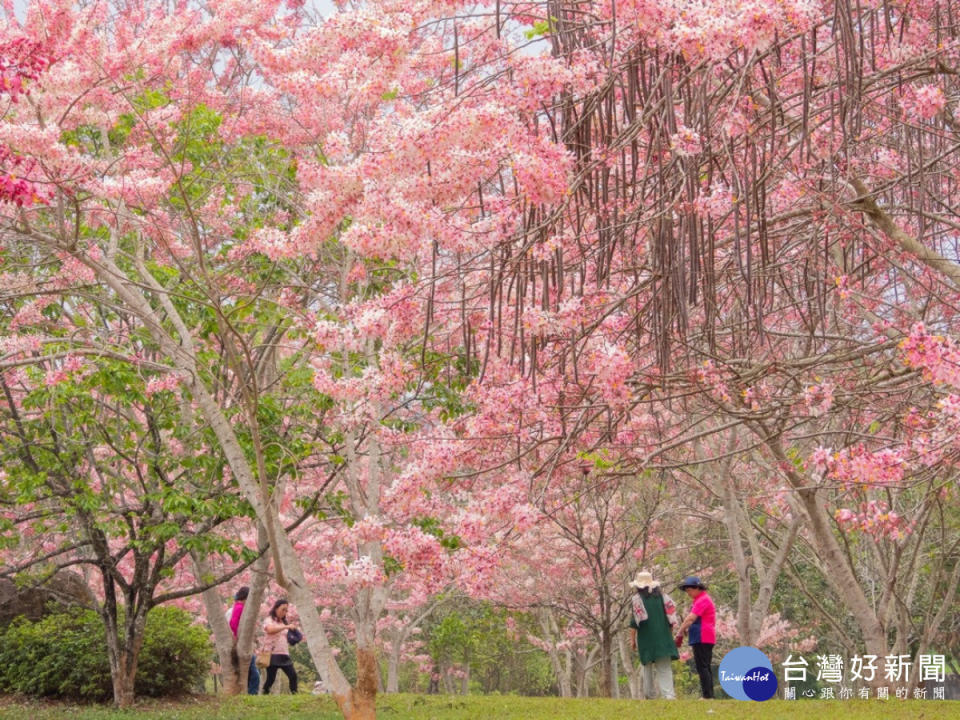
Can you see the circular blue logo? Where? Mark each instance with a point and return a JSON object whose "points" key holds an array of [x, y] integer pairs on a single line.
{"points": [[747, 674]]}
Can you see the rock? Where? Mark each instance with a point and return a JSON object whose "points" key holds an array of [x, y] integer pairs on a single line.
{"points": [[33, 601]]}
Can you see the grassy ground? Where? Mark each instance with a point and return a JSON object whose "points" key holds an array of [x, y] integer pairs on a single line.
{"points": [[477, 707]]}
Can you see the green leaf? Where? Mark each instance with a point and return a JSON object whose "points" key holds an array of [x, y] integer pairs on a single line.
{"points": [[540, 28]]}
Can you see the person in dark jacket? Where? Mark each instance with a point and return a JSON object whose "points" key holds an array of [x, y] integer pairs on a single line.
{"points": [[652, 619]]}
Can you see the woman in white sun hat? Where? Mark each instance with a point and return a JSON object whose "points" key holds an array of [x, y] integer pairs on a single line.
{"points": [[652, 618]]}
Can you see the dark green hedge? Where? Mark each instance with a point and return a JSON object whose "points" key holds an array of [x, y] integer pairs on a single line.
{"points": [[64, 655]]}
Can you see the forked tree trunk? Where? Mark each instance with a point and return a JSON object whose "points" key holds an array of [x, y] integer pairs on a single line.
{"points": [[234, 653], [584, 665], [123, 653], [583, 681], [563, 671], [751, 612]]}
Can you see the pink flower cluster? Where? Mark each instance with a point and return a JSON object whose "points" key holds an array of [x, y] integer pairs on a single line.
{"points": [[686, 141], [162, 383], [818, 398], [936, 355], [709, 376], [14, 188], [859, 467], [71, 365], [876, 518], [21, 59], [922, 103]]}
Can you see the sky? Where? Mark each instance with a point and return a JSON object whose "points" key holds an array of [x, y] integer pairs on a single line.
{"points": [[323, 7]]}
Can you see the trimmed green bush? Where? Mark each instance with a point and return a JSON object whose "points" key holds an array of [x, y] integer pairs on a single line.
{"points": [[64, 655]]}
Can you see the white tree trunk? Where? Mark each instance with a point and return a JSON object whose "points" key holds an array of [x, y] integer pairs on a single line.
{"points": [[562, 666], [222, 635], [632, 669], [393, 670]]}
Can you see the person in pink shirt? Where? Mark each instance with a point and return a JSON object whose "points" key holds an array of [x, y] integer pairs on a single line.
{"points": [[701, 621], [233, 619], [275, 642]]}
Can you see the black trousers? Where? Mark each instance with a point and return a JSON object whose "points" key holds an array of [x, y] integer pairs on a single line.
{"points": [[280, 662], [703, 660]]}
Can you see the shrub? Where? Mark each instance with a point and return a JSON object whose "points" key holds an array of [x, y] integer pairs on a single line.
{"points": [[61, 655], [64, 655], [175, 656]]}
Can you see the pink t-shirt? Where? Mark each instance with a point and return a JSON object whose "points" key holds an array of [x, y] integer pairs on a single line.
{"points": [[704, 630], [274, 642]]}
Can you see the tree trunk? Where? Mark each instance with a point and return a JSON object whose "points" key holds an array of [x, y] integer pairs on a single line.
{"points": [[768, 581], [614, 672], [584, 663], [123, 681], [606, 647], [841, 575], [123, 659], [252, 616], [361, 701], [632, 669], [562, 671], [222, 636], [949, 598], [843, 578], [122, 650], [393, 669], [445, 679], [751, 612], [745, 630]]}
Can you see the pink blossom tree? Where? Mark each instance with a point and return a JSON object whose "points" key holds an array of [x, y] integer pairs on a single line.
{"points": [[407, 275], [275, 203], [759, 212], [97, 478]]}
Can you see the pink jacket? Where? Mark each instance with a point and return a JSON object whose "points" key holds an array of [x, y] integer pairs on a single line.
{"points": [[234, 618]]}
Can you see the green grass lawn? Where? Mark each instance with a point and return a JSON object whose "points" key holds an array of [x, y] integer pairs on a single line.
{"points": [[475, 707]]}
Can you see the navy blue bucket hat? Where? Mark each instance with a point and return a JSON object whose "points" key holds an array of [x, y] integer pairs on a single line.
{"points": [[692, 581]]}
